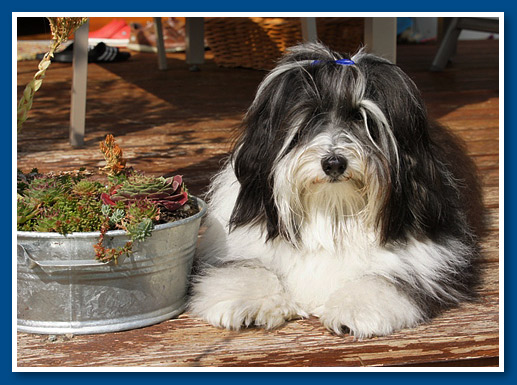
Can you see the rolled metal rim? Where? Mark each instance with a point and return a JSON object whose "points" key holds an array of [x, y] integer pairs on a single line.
{"points": [[98, 326], [113, 233]]}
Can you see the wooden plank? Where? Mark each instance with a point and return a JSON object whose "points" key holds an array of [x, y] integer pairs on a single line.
{"points": [[489, 246], [489, 278], [492, 220], [491, 197], [474, 362], [490, 177]]}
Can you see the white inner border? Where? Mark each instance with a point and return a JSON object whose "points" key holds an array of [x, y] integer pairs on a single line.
{"points": [[499, 15]]}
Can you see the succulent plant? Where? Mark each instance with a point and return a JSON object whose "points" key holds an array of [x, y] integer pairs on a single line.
{"points": [[86, 188], [27, 209], [61, 203], [23, 180], [70, 202], [166, 192]]}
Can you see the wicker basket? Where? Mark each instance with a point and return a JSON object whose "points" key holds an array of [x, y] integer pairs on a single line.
{"points": [[256, 42]]}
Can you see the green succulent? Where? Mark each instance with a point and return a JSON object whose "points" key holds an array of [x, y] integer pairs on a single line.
{"points": [[27, 209], [166, 192], [87, 188], [61, 203], [70, 202]]}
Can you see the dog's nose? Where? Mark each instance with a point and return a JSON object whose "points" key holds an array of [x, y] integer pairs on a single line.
{"points": [[334, 165]]}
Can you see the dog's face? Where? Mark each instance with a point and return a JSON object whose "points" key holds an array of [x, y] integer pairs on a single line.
{"points": [[341, 137]]}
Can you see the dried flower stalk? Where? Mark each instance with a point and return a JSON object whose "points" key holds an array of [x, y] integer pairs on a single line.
{"points": [[115, 162]]}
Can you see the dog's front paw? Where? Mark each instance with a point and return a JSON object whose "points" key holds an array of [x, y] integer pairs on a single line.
{"points": [[241, 296], [369, 307], [345, 316], [268, 313]]}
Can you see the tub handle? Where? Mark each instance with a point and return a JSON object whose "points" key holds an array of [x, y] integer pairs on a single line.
{"points": [[58, 265]]}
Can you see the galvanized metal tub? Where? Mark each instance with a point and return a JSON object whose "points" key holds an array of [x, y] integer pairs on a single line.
{"points": [[62, 289]]}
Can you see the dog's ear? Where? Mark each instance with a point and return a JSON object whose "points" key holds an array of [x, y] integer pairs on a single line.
{"points": [[252, 164], [422, 199], [422, 194], [263, 134], [425, 196]]}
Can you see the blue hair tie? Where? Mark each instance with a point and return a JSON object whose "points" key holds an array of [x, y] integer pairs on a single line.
{"points": [[343, 62]]}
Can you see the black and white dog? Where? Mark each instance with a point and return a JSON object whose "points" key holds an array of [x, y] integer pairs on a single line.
{"points": [[338, 201]]}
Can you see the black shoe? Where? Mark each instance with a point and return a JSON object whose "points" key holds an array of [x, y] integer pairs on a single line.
{"points": [[101, 53]]}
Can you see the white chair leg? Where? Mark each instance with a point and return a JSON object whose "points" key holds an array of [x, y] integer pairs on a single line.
{"points": [[449, 43], [447, 47], [195, 39], [309, 31], [380, 36], [79, 81], [160, 45]]}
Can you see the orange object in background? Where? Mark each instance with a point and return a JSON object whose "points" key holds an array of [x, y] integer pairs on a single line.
{"points": [[115, 33], [138, 35], [99, 22]]}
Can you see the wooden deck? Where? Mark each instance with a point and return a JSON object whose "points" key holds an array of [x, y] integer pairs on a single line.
{"points": [[182, 122]]}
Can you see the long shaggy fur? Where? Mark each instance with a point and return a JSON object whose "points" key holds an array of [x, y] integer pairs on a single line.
{"points": [[382, 246]]}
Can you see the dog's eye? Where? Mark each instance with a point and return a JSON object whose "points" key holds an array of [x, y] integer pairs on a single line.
{"points": [[356, 115]]}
